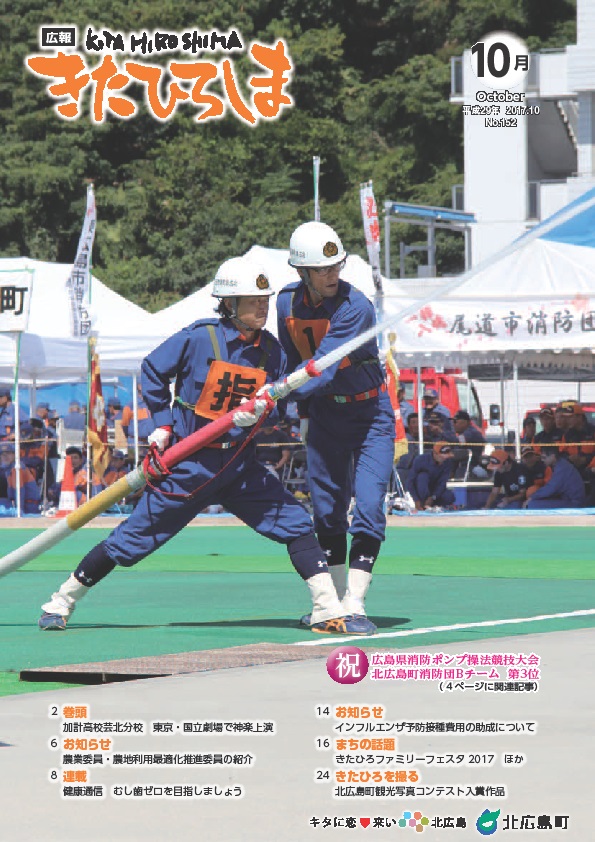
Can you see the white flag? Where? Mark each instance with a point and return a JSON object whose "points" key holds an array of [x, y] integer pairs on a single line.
{"points": [[80, 277], [372, 231]]}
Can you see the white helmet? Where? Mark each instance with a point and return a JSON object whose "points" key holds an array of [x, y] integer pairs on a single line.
{"points": [[240, 276], [314, 245]]}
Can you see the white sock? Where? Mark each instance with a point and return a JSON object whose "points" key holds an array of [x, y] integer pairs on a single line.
{"points": [[358, 582], [339, 576], [64, 601], [325, 602]]}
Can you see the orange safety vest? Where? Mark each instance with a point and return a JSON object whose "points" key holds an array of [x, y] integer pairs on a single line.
{"points": [[307, 334], [227, 384]]}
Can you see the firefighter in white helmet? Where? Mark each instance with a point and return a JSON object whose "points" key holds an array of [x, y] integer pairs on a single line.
{"points": [[347, 419], [216, 365]]}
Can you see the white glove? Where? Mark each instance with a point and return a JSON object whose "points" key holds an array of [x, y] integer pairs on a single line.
{"points": [[242, 418], [304, 422], [161, 437]]}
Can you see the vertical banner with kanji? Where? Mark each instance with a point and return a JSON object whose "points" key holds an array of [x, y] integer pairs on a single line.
{"points": [[372, 231], [79, 280], [97, 424], [392, 382]]}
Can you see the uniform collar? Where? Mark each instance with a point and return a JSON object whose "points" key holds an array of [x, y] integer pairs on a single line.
{"points": [[231, 333]]}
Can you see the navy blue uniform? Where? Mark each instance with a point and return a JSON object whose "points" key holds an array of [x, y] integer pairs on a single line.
{"points": [[74, 421], [565, 489], [352, 425], [241, 485], [428, 478], [7, 419]]}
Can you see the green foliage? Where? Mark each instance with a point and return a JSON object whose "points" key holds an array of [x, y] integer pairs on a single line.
{"points": [[370, 84]]}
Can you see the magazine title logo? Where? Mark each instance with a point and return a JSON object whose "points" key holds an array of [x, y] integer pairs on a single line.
{"points": [[209, 86]]}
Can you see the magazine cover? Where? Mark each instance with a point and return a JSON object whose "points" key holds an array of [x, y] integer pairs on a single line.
{"points": [[297, 420]]}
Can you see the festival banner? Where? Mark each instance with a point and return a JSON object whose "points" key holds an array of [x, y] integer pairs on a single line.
{"points": [[372, 231], [97, 424], [79, 280], [392, 383]]}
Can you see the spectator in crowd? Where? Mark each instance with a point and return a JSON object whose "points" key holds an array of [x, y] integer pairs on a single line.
{"points": [[406, 460], [29, 489], [412, 434], [53, 422], [269, 443], [467, 433], [5, 469], [428, 476], [438, 428], [7, 415], [578, 441], [432, 406], [117, 467], [537, 471], [75, 418], [405, 407], [79, 469], [549, 433], [564, 490], [562, 414], [37, 447], [529, 430], [511, 481], [42, 412], [113, 414], [145, 423]]}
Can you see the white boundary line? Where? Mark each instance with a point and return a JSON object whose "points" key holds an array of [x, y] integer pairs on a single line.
{"points": [[335, 639]]}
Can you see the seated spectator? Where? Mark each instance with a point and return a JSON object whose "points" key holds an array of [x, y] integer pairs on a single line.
{"points": [[53, 422], [270, 452], [578, 441], [428, 476], [6, 466], [529, 430], [42, 413], [37, 448], [467, 433], [562, 414], [145, 423], [537, 471], [437, 428], [113, 413], [564, 490], [29, 490], [433, 407], [7, 415], [117, 467], [511, 481], [75, 418], [412, 433], [550, 433], [79, 469], [405, 407]]}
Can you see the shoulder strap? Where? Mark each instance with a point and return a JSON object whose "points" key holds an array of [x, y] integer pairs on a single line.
{"points": [[214, 341], [265, 351]]}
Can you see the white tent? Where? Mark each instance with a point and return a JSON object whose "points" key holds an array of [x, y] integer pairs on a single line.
{"points": [[201, 304], [535, 304], [125, 332]]}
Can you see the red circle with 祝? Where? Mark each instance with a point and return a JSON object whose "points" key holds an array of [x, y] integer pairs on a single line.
{"points": [[347, 665]]}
